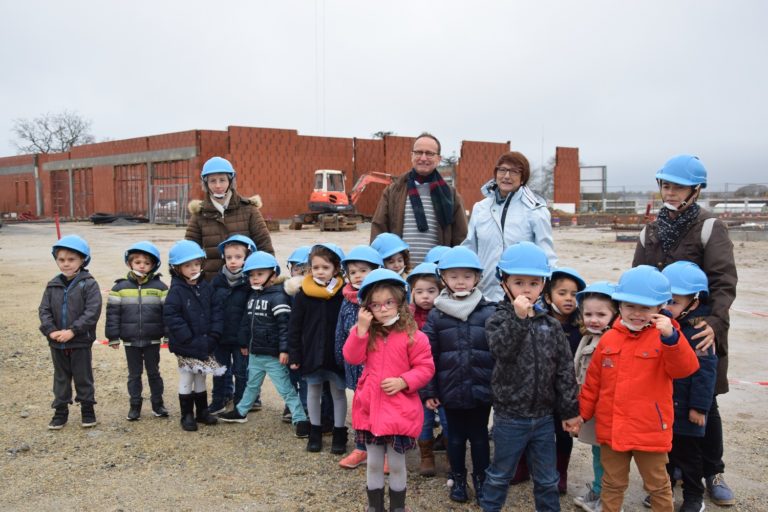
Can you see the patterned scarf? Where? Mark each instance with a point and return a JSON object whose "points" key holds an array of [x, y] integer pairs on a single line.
{"points": [[671, 231], [439, 191]]}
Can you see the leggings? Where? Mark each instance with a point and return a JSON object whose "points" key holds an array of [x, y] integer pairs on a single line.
{"points": [[189, 382], [314, 391], [375, 467]]}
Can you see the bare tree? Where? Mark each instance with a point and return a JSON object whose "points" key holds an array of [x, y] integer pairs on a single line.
{"points": [[51, 133], [381, 134], [542, 179]]}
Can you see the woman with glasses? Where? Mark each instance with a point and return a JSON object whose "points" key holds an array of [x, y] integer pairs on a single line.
{"points": [[510, 213]]}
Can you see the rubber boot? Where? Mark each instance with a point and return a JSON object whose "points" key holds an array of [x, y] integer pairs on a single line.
{"points": [[315, 440], [427, 464], [478, 479], [459, 489], [339, 440], [375, 499], [397, 501], [521, 474], [187, 408], [562, 470], [201, 405]]}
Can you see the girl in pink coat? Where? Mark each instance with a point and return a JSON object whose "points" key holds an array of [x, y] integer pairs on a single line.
{"points": [[387, 413]]}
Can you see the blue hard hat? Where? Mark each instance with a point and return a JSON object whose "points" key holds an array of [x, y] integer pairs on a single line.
{"points": [[238, 239], [147, 248], [422, 269], [300, 255], [218, 165], [335, 249], [377, 276], [184, 251], [261, 259], [73, 243], [684, 170], [459, 257], [596, 288], [364, 253], [525, 259], [644, 285], [389, 244], [686, 278], [570, 273], [434, 254]]}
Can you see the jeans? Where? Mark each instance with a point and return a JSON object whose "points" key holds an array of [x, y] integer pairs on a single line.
{"points": [[511, 438], [597, 467], [138, 358], [428, 427], [258, 367], [469, 425], [237, 364]]}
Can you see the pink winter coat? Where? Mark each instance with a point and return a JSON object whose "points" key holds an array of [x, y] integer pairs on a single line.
{"points": [[372, 409]]}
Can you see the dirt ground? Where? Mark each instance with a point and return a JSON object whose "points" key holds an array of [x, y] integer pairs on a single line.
{"points": [[259, 465]]}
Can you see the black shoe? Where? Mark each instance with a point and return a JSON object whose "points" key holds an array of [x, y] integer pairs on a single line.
{"points": [[201, 408], [397, 501], [217, 406], [326, 425], [134, 413], [87, 415], [232, 416], [459, 489], [478, 480], [315, 441], [287, 417], [187, 407], [159, 410], [692, 505], [256, 405], [59, 418], [339, 441], [302, 429]]}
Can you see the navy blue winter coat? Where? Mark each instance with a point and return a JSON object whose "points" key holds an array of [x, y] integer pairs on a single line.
{"points": [[232, 300], [463, 362], [312, 333], [193, 319], [264, 326], [698, 390]]}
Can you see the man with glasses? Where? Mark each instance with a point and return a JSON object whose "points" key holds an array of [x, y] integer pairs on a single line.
{"points": [[419, 206]]}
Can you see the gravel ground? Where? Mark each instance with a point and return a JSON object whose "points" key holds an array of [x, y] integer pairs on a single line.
{"points": [[259, 465]]}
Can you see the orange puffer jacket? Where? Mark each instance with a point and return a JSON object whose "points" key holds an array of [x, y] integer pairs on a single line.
{"points": [[628, 389]]}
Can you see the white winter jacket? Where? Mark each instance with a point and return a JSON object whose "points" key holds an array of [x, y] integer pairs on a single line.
{"points": [[527, 219]]}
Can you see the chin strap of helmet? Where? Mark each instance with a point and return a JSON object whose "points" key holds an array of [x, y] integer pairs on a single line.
{"points": [[688, 200]]}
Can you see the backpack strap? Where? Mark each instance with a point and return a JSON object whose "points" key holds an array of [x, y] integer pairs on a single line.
{"points": [[706, 230]]}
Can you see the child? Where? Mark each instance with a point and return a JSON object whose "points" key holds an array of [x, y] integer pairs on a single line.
{"points": [[463, 366], [231, 290], [68, 312], [692, 395], [194, 323], [135, 315], [425, 287], [434, 254], [386, 409], [311, 338], [597, 314], [264, 335], [560, 297], [628, 388], [533, 376], [394, 252], [298, 265], [359, 262]]}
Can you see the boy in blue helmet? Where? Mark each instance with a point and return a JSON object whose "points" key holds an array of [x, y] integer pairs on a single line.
{"points": [[69, 311], [135, 315]]}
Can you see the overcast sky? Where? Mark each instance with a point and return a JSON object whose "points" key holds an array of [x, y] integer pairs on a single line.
{"points": [[629, 83]]}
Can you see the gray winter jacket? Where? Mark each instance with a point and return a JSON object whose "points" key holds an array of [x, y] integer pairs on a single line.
{"points": [[75, 305]]}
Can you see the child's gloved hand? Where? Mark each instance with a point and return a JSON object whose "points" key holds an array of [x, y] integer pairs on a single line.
{"points": [[696, 417], [523, 306], [663, 324]]}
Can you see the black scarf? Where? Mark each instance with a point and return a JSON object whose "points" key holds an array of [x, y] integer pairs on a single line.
{"points": [[439, 191], [671, 231]]}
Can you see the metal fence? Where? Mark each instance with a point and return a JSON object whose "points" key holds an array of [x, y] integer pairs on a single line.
{"points": [[169, 204]]}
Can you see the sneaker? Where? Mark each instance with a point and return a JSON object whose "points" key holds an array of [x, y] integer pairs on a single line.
{"points": [[134, 413], [647, 501], [217, 407], [232, 416], [588, 501], [302, 429], [159, 410], [354, 459], [256, 405], [88, 416], [59, 418], [692, 506], [719, 492], [287, 417]]}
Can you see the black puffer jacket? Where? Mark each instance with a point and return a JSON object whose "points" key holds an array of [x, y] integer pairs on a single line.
{"points": [[232, 300], [463, 361], [75, 305], [193, 319], [135, 311], [312, 333], [264, 326], [533, 376]]}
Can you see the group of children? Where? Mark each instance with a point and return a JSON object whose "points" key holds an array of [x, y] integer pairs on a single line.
{"points": [[412, 343]]}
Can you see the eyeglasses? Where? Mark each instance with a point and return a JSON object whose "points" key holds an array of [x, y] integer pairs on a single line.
{"points": [[502, 171], [378, 306], [429, 154]]}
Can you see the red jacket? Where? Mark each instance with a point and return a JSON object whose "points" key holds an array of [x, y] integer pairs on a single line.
{"points": [[628, 388], [372, 409]]}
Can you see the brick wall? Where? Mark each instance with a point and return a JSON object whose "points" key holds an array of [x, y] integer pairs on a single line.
{"points": [[476, 167], [567, 176]]}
